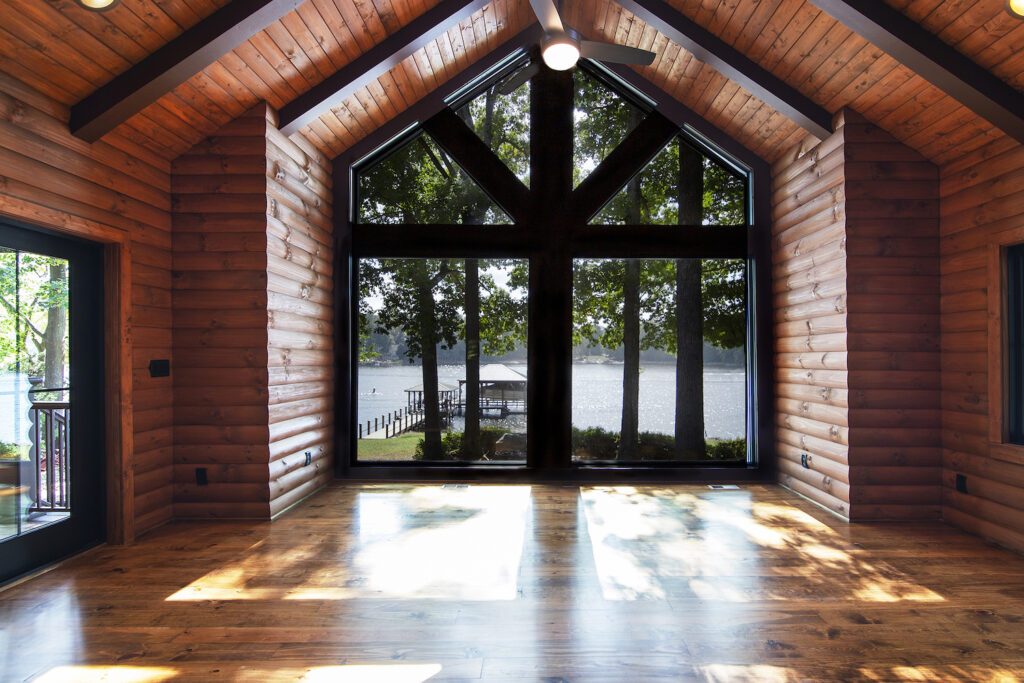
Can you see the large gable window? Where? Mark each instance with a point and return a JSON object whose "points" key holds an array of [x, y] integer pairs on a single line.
{"points": [[551, 275]]}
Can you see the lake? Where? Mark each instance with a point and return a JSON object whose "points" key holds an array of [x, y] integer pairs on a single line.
{"points": [[597, 396]]}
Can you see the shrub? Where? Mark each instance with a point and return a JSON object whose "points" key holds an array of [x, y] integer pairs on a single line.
{"points": [[452, 447], [595, 443], [727, 449]]}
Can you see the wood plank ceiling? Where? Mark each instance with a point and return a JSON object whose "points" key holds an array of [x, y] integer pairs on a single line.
{"points": [[66, 53]]}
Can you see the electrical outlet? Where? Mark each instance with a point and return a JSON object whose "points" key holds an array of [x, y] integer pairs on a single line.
{"points": [[309, 457], [201, 479], [961, 483], [803, 460]]}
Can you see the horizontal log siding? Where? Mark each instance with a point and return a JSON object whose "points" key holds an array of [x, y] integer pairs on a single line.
{"points": [[892, 244], [301, 319], [855, 244], [45, 172], [220, 323], [982, 204], [809, 293]]}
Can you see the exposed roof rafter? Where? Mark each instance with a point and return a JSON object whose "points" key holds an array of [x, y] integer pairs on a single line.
{"points": [[921, 51], [731, 63], [375, 62], [173, 64]]}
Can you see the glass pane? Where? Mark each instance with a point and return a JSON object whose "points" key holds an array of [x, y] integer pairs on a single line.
{"points": [[709, 193], [420, 183], [503, 123], [34, 369], [659, 360], [601, 120], [442, 351]]}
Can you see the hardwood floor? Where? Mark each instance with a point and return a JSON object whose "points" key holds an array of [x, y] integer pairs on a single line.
{"points": [[423, 582]]}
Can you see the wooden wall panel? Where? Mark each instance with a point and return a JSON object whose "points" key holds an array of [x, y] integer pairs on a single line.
{"points": [[982, 206], [301, 319], [856, 292], [253, 320], [220, 304], [892, 246], [809, 281], [52, 179]]}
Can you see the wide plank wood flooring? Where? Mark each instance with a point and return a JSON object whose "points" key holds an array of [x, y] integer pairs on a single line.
{"points": [[407, 582]]}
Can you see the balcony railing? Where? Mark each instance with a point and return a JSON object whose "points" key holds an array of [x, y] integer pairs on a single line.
{"points": [[51, 455]]}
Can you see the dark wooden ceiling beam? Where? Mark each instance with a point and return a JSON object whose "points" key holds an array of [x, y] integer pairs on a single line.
{"points": [[625, 161], [734, 65], [921, 51], [376, 61], [483, 165], [173, 64]]}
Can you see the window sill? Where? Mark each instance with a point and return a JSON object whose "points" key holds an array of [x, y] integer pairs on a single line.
{"points": [[1008, 452]]}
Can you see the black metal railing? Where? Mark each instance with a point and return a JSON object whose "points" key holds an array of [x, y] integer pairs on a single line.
{"points": [[51, 455]]}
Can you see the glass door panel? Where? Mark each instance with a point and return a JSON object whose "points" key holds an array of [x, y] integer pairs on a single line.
{"points": [[50, 474]]}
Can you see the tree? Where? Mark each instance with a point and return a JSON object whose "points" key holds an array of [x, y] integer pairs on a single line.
{"points": [[34, 298]]}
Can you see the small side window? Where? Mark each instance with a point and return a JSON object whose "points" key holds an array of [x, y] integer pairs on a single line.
{"points": [[1015, 344]]}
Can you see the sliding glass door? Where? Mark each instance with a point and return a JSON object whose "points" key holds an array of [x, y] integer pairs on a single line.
{"points": [[51, 417]]}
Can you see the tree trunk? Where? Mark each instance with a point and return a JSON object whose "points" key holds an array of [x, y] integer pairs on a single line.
{"points": [[471, 437], [56, 330], [631, 360], [428, 358], [689, 441]]}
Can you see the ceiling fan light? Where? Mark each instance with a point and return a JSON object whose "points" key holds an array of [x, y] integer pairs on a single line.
{"points": [[1015, 8], [560, 54], [97, 5]]}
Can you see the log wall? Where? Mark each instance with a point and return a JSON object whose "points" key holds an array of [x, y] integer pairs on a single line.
{"points": [[855, 261], [220, 323], [252, 321], [300, 304], [49, 178], [982, 210]]}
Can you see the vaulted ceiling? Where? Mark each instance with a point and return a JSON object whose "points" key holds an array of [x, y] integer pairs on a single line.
{"points": [[68, 53]]}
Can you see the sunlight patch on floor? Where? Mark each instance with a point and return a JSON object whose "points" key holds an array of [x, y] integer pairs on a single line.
{"points": [[421, 543], [652, 543], [108, 674]]}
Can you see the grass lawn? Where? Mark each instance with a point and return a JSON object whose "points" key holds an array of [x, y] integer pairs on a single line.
{"points": [[401, 447]]}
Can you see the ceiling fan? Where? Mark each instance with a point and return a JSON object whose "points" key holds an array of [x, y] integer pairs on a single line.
{"points": [[561, 47]]}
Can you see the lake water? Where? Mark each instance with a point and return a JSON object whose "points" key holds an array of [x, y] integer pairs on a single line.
{"points": [[597, 396]]}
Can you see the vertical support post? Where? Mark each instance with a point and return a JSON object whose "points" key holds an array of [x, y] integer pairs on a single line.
{"points": [[550, 333]]}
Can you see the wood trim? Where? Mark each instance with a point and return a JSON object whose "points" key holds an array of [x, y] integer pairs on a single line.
{"points": [[996, 288], [173, 64], [928, 56], [117, 335], [733, 64], [375, 62]]}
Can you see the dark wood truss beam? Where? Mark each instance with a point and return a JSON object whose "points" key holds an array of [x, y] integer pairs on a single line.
{"points": [[375, 62], [482, 165], [941, 65], [624, 162], [173, 64], [733, 64]]}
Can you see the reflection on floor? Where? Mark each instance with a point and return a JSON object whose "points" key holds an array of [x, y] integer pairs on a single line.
{"points": [[422, 582]]}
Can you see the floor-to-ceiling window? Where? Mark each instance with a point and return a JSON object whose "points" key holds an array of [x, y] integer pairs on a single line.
{"points": [[549, 275]]}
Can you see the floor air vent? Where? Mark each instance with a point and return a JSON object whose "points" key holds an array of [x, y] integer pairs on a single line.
{"points": [[455, 486], [723, 487]]}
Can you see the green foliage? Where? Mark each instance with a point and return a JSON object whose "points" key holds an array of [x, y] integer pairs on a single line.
{"points": [[598, 302], [595, 443], [13, 451], [30, 285], [452, 447], [601, 120], [503, 123]]}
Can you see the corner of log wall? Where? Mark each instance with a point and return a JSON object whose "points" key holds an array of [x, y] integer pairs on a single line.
{"points": [[252, 330], [856, 321]]}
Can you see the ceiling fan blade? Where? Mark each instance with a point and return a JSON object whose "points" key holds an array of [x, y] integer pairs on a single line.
{"points": [[518, 78], [610, 52], [547, 14]]}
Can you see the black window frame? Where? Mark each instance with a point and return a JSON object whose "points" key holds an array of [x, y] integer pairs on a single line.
{"points": [[551, 457], [1014, 354]]}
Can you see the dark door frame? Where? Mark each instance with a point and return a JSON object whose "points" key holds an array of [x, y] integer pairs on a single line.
{"points": [[86, 525]]}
